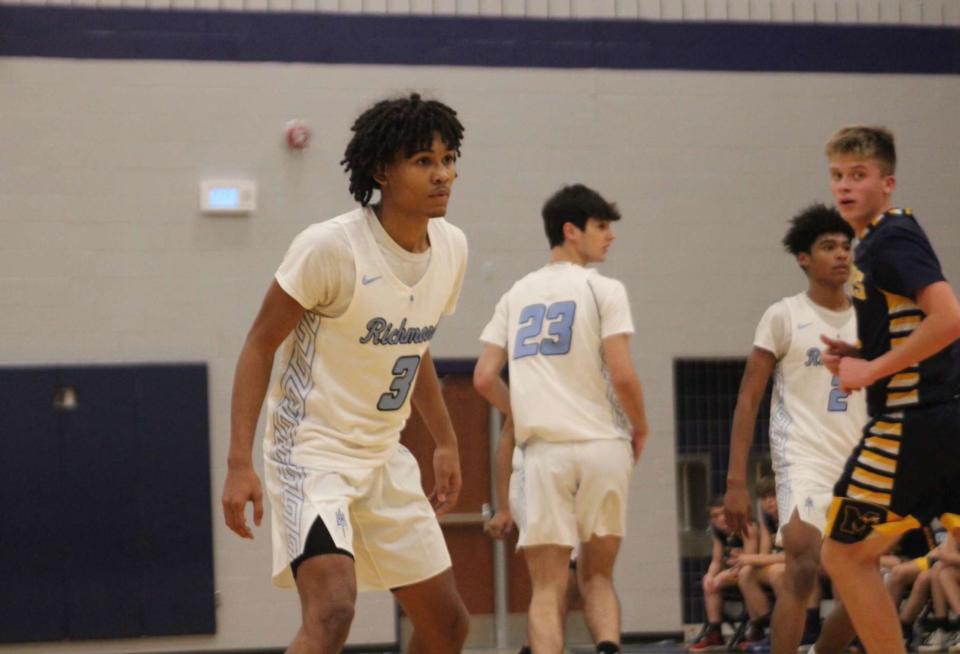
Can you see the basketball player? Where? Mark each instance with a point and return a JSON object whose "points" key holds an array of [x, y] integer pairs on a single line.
{"points": [[813, 424], [354, 304], [513, 513], [566, 330], [904, 469]]}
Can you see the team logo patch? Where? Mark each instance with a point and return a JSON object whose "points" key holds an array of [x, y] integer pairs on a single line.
{"points": [[854, 520]]}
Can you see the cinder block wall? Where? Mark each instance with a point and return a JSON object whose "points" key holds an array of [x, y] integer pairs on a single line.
{"points": [[105, 257]]}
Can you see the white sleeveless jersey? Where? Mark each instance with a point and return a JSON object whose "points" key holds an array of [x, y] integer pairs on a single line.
{"points": [[813, 425], [343, 394], [552, 323]]}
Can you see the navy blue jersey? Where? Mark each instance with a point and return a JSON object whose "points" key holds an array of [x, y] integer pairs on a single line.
{"points": [[731, 543], [893, 262], [771, 523], [773, 526]]}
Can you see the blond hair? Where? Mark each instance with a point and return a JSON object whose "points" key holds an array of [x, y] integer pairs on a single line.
{"points": [[869, 142]]}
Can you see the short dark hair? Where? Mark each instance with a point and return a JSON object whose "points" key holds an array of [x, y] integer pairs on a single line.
{"points": [[574, 204], [765, 487], [811, 223], [390, 126], [715, 502]]}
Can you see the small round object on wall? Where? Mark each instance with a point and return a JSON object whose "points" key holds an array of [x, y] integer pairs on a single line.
{"points": [[298, 135]]}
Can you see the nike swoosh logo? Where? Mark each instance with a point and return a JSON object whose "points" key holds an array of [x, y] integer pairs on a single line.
{"points": [[804, 325], [369, 280]]}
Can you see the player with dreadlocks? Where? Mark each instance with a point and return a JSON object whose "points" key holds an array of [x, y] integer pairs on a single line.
{"points": [[354, 305]]}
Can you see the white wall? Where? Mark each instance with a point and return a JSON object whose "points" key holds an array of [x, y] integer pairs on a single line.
{"points": [[104, 256]]}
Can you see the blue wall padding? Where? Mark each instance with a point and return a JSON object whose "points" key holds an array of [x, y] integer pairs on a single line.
{"points": [[101, 461], [109, 501], [178, 545], [32, 566]]}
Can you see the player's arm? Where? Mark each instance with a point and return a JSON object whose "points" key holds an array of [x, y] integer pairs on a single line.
{"points": [[751, 539], [716, 561], [626, 385], [766, 539], [763, 560], [889, 561], [949, 554], [939, 328], [487, 379], [279, 314], [427, 399], [502, 521], [756, 376]]}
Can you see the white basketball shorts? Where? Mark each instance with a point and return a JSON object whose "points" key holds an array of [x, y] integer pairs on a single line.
{"points": [[378, 514], [575, 490]]}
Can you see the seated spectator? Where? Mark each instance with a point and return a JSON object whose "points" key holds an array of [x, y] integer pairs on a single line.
{"points": [[765, 570], [722, 573], [914, 574], [945, 591]]}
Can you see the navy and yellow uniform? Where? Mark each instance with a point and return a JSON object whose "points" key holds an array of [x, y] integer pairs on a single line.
{"points": [[903, 471], [773, 526], [732, 544]]}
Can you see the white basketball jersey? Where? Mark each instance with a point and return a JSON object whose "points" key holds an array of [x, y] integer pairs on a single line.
{"points": [[343, 394], [813, 425], [553, 330]]}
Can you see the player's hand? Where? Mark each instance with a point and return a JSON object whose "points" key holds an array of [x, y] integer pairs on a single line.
{"points": [[500, 525], [639, 439], [447, 479], [242, 486], [736, 507], [839, 348], [836, 350], [854, 374]]}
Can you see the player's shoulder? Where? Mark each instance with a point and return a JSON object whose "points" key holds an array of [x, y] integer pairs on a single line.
{"points": [[451, 231], [333, 227], [598, 280], [328, 234], [781, 306], [452, 236], [897, 223]]}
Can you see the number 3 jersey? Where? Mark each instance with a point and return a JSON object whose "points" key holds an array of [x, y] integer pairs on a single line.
{"points": [[813, 425], [552, 323], [343, 391]]}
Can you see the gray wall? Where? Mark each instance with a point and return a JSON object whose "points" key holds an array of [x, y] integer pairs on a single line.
{"points": [[104, 256]]}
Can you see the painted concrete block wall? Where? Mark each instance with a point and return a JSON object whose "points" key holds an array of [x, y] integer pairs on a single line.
{"points": [[105, 257]]}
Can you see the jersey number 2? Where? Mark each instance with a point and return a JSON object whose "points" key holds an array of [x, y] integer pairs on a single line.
{"points": [[405, 370], [838, 399], [560, 319]]}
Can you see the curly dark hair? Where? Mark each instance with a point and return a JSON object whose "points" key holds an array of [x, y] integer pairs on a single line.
{"points": [[574, 204], [808, 225], [390, 126]]}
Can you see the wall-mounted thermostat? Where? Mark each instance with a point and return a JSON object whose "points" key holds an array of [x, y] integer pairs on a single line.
{"points": [[228, 196]]}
